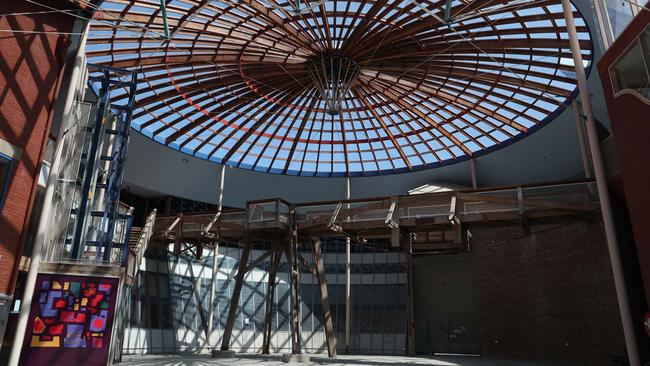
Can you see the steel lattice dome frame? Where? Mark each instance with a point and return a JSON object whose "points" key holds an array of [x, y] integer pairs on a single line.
{"points": [[235, 82]]}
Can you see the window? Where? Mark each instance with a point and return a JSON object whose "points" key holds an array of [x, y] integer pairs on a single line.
{"points": [[6, 165], [619, 14], [631, 72]]}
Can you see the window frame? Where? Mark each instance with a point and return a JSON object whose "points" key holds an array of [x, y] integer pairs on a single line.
{"points": [[4, 188], [612, 74]]}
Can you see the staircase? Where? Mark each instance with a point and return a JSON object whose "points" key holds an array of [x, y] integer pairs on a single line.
{"points": [[134, 237], [138, 243]]}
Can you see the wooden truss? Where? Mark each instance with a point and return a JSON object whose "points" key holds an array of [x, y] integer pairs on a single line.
{"points": [[431, 84]]}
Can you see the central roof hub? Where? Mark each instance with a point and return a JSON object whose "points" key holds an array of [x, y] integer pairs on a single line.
{"points": [[333, 76]]}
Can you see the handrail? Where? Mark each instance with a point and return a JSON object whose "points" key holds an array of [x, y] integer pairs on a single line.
{"points": [[224, 212], [433, 194], [136, 254], [268, 200], [564, 195]]}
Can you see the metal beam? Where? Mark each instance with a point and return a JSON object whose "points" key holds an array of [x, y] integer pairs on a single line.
{"points": [[472, 170], [179, 235], [410, 319], [163, 10], [213, 290], [348, 275]]}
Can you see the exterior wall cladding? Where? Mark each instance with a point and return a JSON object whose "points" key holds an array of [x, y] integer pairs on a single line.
{"points": [[30, 70], [547, 295]]}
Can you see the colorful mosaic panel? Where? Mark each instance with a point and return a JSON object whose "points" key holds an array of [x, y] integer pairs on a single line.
{"points": [[71, 318], [73, 314]]}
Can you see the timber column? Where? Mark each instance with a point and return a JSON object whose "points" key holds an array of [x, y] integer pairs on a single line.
{"points": [[292, 256], [234, 300]]}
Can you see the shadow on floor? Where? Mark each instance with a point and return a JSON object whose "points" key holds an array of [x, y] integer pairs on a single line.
{"points": [[316, 360]]}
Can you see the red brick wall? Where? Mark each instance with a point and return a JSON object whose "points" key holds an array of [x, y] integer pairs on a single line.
{"points": [[549, 295], [30, 69]]}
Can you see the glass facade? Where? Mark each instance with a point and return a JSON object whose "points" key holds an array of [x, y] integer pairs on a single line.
{"points": [[169, 304], [615, 15]]}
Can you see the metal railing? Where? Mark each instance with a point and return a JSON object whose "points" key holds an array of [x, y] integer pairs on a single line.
{"points": [[440, 207]]}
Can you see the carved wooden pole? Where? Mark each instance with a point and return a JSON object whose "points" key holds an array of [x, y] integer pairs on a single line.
{"points": [[324, 297], [234, 300], [270, 297], [179, 235], [292, 256]]}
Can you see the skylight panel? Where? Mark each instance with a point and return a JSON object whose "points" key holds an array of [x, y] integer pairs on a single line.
{"points": [[418, 84]]}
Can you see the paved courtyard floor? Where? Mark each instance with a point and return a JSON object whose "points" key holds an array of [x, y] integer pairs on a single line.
{"points": [[320, 360]]}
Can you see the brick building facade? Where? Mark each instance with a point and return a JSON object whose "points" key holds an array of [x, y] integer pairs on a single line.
{"points": [[32, 59], [547, 294]]}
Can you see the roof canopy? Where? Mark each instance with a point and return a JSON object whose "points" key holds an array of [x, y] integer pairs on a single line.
{"points": [[340, 87]]}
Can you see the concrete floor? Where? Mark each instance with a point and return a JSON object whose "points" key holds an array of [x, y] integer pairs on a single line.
{"points": [[319, 360]]}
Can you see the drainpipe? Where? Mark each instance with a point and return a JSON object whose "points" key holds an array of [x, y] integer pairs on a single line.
{"points": [[584, 149], [68, 95], [472, 170], [601, 183], [348, 277]]}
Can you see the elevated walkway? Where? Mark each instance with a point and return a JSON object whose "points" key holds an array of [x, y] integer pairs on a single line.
{"points": [[429, 222]]}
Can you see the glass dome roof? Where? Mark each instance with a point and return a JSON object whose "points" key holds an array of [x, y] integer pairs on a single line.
{"points": [[340, 87]]}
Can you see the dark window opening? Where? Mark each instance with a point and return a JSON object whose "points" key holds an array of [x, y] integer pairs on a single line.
{"points": [[6, 165]]}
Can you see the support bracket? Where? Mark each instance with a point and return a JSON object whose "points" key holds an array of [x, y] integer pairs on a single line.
{"points": [[332, 222]]}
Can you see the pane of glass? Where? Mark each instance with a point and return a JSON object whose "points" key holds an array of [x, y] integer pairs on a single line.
{"points": [[645, 44], [163, 285], [167, 319], [4, 177], [619, 13], [283, 306], [630, 72]]}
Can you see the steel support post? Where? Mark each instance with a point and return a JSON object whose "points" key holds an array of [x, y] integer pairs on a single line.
{"points": [[348, 277], [603, 193], [89, 180], [472, 170], [584, 149], [213, 290], [410, 333]]}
